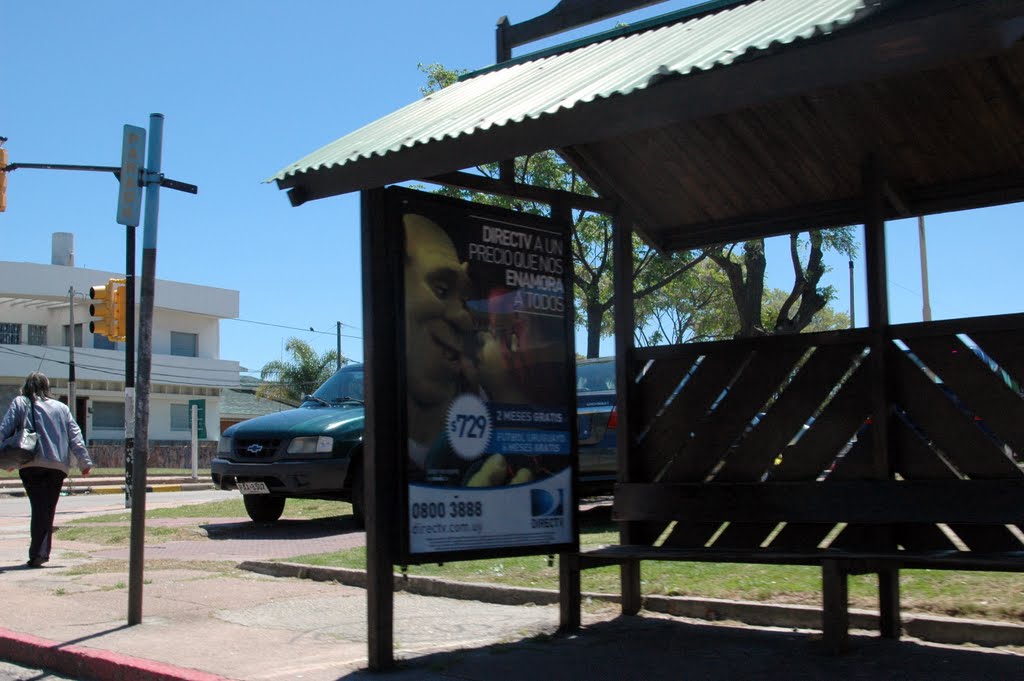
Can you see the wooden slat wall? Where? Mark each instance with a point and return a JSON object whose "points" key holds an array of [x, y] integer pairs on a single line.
{"points": [[772, 411]]}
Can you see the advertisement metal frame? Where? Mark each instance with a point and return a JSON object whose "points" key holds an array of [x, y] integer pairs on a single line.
{"points": [[443, 212]]}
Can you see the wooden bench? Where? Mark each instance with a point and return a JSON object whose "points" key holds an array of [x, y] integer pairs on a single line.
{"points": [[885, 513], [861, 451]]}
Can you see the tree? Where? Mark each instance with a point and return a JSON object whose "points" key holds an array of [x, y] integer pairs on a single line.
{"points": [[672, 302], [288, 381], [744, 266], [693, 308], [700, 307], [592, 232]]}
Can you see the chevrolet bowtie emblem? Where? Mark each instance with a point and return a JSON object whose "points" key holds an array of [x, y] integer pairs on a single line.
{"points": [[254, 449]]}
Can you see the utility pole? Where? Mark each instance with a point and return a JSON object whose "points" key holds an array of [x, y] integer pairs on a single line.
{"points": [[852, 322], [71, 351], [340, 361], [926, 307]]}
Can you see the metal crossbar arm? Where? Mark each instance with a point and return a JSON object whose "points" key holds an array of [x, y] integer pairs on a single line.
{"points": [[180, 186], [61, 166], [116, 170]]}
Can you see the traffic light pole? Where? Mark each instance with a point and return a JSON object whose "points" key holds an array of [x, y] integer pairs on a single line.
{"points": [[129, 365], [136, 403], [71, 352]]}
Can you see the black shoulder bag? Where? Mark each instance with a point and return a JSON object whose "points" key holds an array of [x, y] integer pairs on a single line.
{"points": [[20, 448]]}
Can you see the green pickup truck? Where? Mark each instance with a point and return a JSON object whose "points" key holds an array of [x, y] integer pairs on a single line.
{"points": [[311, 452]]}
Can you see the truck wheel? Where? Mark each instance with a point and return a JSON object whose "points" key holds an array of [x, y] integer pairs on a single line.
{"points": [[263, 508], [358, 499]]}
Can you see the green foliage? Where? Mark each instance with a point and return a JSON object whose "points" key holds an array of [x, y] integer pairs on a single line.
{"points": [[438, 77], [760, 312], [592, 233], [681, 297], [826, 319], [288, 381]]}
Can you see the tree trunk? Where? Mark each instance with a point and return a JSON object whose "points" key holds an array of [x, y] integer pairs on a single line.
{"points": [[805, 287], [594, 315], [746, 282]]}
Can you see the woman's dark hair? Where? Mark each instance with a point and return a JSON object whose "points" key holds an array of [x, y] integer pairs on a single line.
{"points": [[37, 385]]}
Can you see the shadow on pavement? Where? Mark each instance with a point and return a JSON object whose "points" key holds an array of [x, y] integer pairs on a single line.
{"points": [[289, 529], [655, 649]]}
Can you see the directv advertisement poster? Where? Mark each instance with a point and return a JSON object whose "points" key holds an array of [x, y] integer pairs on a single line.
{"points": [[488, 380]]}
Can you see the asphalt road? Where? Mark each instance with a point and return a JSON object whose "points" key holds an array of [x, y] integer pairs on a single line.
{"points": [[91, 504], [15, 672]]}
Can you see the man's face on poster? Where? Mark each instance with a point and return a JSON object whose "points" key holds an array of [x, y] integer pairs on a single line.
{"points": [[437, 321]]}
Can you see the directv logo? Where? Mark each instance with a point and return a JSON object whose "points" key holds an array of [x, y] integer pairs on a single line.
{"points": [[547, 508]]}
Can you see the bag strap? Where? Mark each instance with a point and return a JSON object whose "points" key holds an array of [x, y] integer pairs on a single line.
{"points": [[31, 413]]}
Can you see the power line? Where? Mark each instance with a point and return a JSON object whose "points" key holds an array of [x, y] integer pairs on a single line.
{"points": [[85, 352], [308, 329], [162, 376]]}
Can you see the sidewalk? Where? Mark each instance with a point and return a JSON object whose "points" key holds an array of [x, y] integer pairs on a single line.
{"points": [[204, 621], [79, 484]]}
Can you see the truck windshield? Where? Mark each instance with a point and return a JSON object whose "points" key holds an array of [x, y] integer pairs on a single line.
{"points": [[346, 385], [595, 376]]}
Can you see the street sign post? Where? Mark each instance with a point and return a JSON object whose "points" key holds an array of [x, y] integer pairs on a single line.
{"points": [[129, 196], [201, 418]]}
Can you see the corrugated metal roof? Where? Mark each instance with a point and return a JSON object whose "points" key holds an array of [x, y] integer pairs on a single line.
{"points": [[617, 66]]}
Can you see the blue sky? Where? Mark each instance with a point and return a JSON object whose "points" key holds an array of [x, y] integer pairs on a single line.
{"points": [[249, 87]]}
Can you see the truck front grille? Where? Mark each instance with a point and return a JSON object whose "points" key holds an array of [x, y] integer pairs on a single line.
{"points": [[257, 449]]}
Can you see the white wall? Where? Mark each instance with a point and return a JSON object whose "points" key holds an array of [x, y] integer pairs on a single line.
{"points": [[38, 294], [160, 418], [51, 282]]}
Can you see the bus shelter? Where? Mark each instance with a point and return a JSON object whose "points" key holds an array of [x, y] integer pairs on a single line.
{"points": [[724, 122]]}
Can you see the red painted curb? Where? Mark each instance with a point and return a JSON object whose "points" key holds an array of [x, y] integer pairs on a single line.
{"points": [[91, 663]]}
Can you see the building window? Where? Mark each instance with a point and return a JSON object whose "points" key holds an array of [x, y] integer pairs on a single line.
{"points": [[184, 344], [179, 417], [10, 334], [101, 342], [37, 334], [78, 335], [108, 415]]}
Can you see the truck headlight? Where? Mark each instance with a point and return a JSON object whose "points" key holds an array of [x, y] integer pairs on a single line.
{"points": [[226, 445], [311, 444]]}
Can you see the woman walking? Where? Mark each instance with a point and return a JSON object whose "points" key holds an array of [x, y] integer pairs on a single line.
{"points": [[59, 435]]}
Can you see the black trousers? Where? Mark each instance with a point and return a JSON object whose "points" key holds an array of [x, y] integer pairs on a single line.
{"points": [[43, 488]]}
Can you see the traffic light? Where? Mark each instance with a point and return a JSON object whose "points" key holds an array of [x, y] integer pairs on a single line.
{"points": [[3, 180], [109, 309]]}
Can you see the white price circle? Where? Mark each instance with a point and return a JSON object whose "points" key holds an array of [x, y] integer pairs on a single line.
{"points": [[469, 426]]}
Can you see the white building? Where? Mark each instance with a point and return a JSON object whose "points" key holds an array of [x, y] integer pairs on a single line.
{"points": [[35, 330]]}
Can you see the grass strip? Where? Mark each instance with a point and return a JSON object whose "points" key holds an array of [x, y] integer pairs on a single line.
{"points": [[980, 595]]}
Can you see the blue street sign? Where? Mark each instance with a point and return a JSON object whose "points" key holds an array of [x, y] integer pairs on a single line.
{"points": [[129, 197]]}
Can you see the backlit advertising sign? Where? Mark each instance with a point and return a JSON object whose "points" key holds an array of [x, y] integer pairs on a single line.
{"points": [[489, 409]]}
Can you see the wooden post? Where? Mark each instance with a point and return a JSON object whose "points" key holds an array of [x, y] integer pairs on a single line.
{"points": [[569, 596], [629, 571], [881, 390], [835, 619], [380, 436], [878, 312], [889, 621]]}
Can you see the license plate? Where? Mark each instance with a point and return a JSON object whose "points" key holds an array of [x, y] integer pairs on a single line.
{"points": [[253, 488], [583, 427]]}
